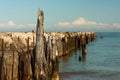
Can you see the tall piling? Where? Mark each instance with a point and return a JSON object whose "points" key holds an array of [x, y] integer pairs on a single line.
{"points": [[40, 60]]}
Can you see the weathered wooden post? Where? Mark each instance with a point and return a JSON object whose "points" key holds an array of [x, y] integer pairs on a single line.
{"points": [[33, 38], [55, 61], [20, 67], [2, 73], [27, 62], [83, 48], [40, 61], [76, 42], [12, 78], [84, 52], [80, 41], [86, 38], [65, 45], [28, 48], [33, 41], [49, 49]]}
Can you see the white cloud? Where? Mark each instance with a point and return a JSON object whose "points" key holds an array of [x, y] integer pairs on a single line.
{"points": [[116, 25], [103, 24], [12, 26], [31, 25], [21, 25], [89, 25], [11, 23], [83, 21], [2, 25], [63, 24]]}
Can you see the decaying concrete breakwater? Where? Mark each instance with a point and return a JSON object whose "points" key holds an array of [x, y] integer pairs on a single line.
{"points": [[20, 60]]}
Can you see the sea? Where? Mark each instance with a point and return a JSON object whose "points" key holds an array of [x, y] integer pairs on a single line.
{"points": [[102, 60]]}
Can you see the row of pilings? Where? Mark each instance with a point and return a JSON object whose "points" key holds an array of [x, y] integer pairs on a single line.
{"points": [[78, 41], [17, 60], [36, 56]]}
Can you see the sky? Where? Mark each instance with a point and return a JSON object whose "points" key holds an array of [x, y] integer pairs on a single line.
{"points": [[61, 15]]}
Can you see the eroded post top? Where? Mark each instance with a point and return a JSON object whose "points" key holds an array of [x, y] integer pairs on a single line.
{"points": [[41, 15]]}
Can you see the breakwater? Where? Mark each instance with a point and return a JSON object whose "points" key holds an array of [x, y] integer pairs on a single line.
{"points": [[35, 55], [16, 46]]}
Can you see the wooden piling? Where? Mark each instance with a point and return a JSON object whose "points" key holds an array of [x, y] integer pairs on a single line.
{"points": [[84, 52], [83, 48], [27, 61], [86, 38], [65, 46], [12, 78], [76, 42], [33, 41], [28, 49], [40, 61], [49, 49], [2, 73], [55, 61], [19, 65], [80, 38]]}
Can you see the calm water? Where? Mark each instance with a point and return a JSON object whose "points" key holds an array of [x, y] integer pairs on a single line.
{"points": [[102, 63]]}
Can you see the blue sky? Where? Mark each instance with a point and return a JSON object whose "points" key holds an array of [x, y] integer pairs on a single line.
{"points": [[60, 15]]}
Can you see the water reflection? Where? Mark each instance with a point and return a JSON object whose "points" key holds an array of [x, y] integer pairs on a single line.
{"points": [[65, 58]]}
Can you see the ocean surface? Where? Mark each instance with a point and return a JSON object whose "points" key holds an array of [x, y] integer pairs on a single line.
{"points": [[102, 60]]}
